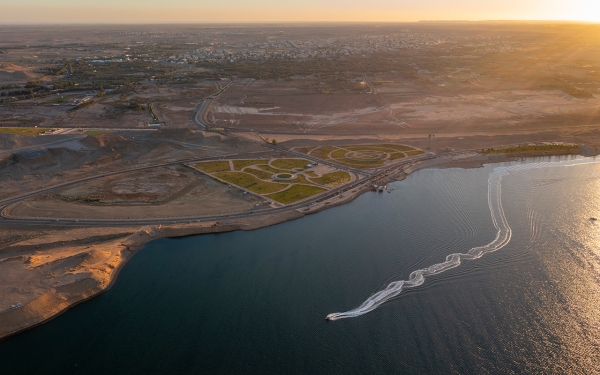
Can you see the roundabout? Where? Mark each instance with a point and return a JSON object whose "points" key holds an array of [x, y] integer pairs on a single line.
{"points": [[366, 155], [284, 177]]}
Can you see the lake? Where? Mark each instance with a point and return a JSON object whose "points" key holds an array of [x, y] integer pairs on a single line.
{"points": [[255, 302]]}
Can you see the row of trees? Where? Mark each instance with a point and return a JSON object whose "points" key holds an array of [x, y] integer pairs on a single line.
{"points": [[282, 68], [528, 148]]}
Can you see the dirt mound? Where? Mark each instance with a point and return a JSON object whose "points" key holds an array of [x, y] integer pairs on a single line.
{"points": [[231, 141], [12, 72], [10, 141], [106, 140], [181, 135], [8, 67], [53, 160], [16, 76]]}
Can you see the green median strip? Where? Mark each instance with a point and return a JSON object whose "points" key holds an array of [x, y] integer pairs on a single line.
{"points": [[23, 131]]}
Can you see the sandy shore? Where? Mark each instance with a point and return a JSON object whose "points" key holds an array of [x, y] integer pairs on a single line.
{"points": [[51, 273]]}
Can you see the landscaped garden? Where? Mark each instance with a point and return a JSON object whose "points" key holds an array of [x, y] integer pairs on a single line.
{"points": [[284, 180], [361, 156]]}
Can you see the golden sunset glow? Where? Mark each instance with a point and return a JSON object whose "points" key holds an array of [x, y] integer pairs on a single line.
{"points": [[582, 10], [160, 11]]}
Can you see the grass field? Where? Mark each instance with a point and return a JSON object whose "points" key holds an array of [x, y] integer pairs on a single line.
{"points": [[256, 176], [338, 154], [396, 156], [362, 156], [296, 193], [374, 149], [258, 173], [248, 181], [94, 132], [300, 179], [213, 166], [290, 163], [23, 131], [238, 165], [398, 147], [361, 163], [332, 179], [322, 152], [271, 169], [304, 150]]}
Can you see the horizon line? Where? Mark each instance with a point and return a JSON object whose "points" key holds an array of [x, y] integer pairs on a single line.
{"points": [[296, 22]]}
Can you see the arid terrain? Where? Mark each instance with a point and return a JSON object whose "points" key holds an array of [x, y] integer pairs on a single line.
{"points": [[115, 136]]}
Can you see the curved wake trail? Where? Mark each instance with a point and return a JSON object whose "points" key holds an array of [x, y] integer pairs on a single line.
{"points": [[503, 237]]}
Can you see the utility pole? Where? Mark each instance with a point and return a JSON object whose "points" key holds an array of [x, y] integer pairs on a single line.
{"points": [[429, 141]]}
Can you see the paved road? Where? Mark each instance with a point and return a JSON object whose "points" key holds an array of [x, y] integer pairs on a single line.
{"points": [[186, 144], [360, 172], [201, 119], [359, 183], [201, 116], [41, 145], [368, 81], [365, 179]]}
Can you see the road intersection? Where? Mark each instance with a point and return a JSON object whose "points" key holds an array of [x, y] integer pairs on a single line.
{"points": [[364, 180]]}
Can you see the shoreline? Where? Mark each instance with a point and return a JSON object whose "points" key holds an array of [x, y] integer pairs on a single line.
{"points": [[57, 301]]}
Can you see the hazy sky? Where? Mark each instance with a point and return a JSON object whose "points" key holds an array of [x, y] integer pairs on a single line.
{"points": [[153, 11]]}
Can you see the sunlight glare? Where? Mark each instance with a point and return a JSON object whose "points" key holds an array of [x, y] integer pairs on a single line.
{"points": [[585, 10]]}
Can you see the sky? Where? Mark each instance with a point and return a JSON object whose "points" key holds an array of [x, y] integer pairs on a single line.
{"points": [[171, 11]]}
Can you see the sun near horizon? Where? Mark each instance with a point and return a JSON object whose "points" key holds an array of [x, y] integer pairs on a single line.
{"points": [[240, 11]]}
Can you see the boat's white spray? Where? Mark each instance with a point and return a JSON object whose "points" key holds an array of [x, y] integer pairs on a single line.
{"points": [[503, 237]]}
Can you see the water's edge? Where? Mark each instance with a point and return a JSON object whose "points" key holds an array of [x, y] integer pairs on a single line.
{"points": [[266, 221]]}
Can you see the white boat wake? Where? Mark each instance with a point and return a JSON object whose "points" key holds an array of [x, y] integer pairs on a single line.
{"points": [[503, 237]]}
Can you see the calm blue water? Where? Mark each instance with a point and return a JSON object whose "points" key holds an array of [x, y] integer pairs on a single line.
{"points": [[255, 302]]}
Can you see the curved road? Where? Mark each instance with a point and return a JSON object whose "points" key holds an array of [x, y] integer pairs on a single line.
{"points": [[4, 204], [201, 119]]}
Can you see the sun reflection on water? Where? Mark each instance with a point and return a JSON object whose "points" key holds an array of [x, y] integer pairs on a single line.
{"points": [[569, 199]]}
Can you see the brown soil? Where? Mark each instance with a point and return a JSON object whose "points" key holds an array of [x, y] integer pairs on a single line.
{"points": [[10, 141], [15, 73], [403, 108], [54, 160], [163, 192], [47, 278], [182, 135]]}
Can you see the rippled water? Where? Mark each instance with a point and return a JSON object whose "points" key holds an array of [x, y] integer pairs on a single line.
{"points": [[255, 302]]}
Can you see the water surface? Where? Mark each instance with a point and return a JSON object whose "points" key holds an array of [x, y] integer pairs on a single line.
{"points": [[255, 302]]}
